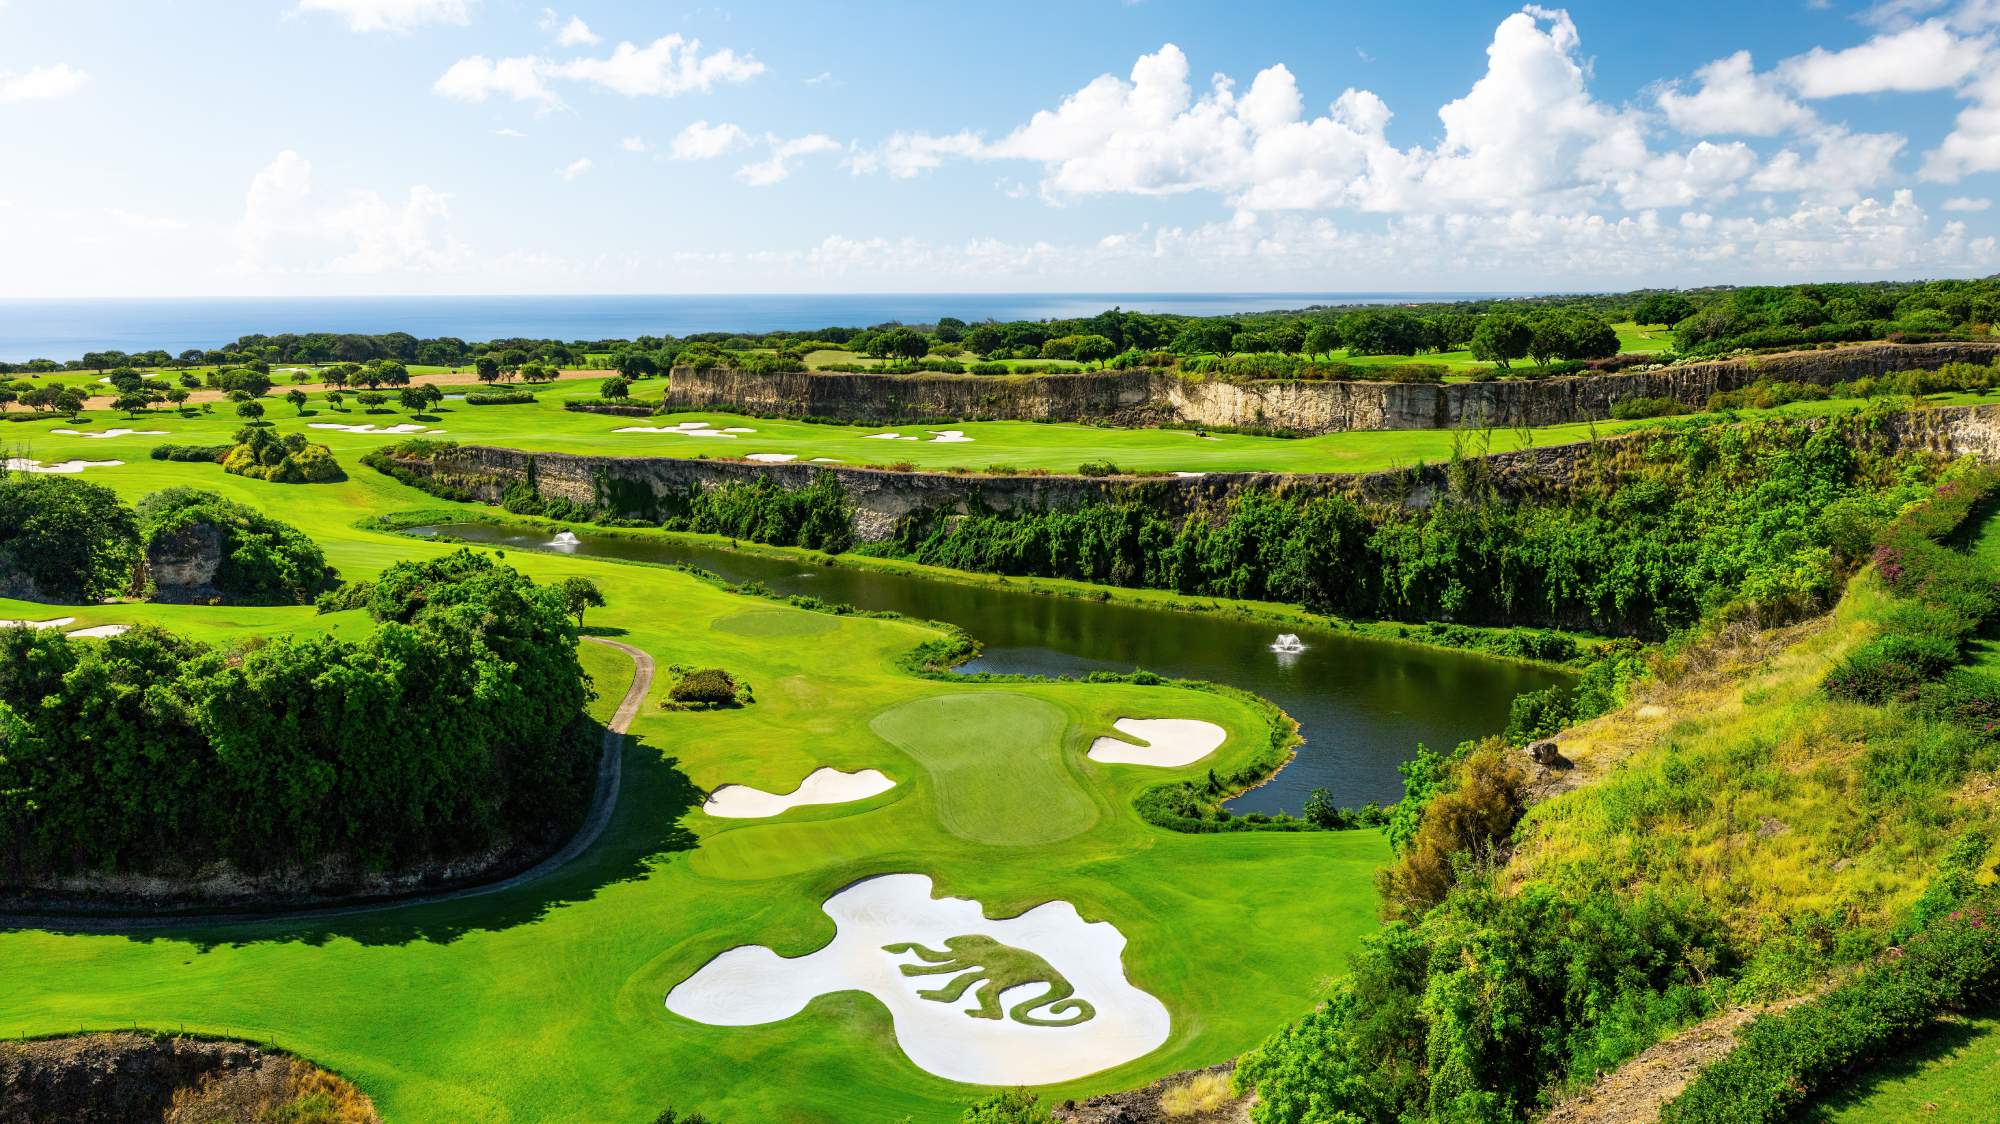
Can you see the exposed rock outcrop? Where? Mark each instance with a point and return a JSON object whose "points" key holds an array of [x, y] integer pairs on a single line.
{"points": [[182, 564], [125, 1078], [1151, 397], [651, 488]]}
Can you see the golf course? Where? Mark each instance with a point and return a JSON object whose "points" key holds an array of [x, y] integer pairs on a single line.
{"points": [[547, 1001]]}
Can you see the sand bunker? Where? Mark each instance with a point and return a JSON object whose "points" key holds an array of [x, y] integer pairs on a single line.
{"points": [[887, 437], [1029, 1000], [1170, 742], [772, 458], [949, 436], [112, 433], [826, 460], [685, 429], [738, 429], [821, 786], [57, 622], [65, 468], [370, 427], [102, 632]]}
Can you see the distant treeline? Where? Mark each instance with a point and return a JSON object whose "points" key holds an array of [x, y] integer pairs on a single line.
{"points": [[1499, 330]]}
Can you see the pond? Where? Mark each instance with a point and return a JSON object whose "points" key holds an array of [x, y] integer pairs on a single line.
{"points": [[1362, 705]]}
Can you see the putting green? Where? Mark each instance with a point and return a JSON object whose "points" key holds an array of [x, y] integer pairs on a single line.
{"points": [[998, 763], [772, 623]]}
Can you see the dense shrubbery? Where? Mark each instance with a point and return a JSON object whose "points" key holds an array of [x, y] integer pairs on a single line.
{"points": [[1651, 539], [191, 454], [765, 511], [289, 459], [264, 561], [454, 728], [500, 398], [1952, 964], [705, 687], [62, 539], [1948, 593]]}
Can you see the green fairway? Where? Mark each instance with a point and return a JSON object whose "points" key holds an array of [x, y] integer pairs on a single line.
{"points": [[1954, 1074], [1023, 446], [546, 1002]]}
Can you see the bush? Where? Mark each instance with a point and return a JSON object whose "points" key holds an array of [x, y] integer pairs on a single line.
{"points": [[264, 561], [1097, 468], [500, 398], [1015, 1106], [290, 459], [1626, 409], [707, 686], [192, 454], [62, 539], [1782, 1060]]}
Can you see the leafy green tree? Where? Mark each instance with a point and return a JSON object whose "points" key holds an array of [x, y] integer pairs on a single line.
{"points": [[634, 365], [983, 339], [178, 396], [579, 594], [1665, 309], [1204, 337], [487, 368], [1323, 338], [132, 402], [1501, 338], [1093, 349], [250, 411], [617, 386], [298, 400]]}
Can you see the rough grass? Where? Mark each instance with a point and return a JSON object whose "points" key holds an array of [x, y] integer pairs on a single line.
{"points": [[1952, 1075], [545, 1003], [1202, 1093]]}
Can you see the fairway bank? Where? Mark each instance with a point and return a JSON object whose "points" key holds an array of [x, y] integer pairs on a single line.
{"points": [[653, 488], [1154, 398]]}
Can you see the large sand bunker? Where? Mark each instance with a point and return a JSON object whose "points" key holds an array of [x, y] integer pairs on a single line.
{"points": [[1170, 742], [821, 786], [111, 433], [1028, 1000], [370, 427], [56, 622], [61, 468]]}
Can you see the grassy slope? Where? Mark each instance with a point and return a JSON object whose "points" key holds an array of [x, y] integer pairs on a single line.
{"points": [[1955, 1075], [544, 425], [545, 1004]]}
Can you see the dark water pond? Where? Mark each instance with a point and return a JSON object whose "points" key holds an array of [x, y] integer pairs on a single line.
{"points": [[1363, 705]]}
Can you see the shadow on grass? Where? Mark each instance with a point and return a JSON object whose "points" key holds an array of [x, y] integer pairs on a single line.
{"points": [[644, 833], [1946, 1038]]}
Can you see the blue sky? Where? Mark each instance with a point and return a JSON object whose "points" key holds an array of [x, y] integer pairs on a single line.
{"points": [[478, 146]]}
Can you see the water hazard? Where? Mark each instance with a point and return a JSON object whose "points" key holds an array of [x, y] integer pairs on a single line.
{"points": [[1363, 705]]}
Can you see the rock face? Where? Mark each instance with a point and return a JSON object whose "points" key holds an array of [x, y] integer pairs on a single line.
{"points": [[113, 1078], [182, 565], [1149, 397], [650, 488]]}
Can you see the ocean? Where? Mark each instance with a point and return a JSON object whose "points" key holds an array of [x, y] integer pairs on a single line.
{"points": [[65, 329]]}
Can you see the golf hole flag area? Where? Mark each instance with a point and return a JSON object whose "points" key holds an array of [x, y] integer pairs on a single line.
{"points": [[931, 853]]}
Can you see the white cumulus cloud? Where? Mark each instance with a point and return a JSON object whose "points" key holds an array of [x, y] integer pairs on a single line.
{"points": [[1733, 98], [41, 83], [287, 226], [576, 168], [392, 15], [572, 32], [667, 67], [703, 141], [1928, 56], [778, 165]]}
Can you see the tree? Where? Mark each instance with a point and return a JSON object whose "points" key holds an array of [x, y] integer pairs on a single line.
{"points": [[512, 359], [1203, 337], [487, 368], [634, 365], [983, 340], [537, 371], [370, 399], [1093, 349], [901, 343], [132, 402], [250, 411], [69, 402], [391, 372], [1323, 338], [7, 397], [617, 386], [1664, 309], [244, 379], [334, 398], [178, 396], [297, 398], [579, 594], [337, 375], [190, 382], [1501, 338], [1571, 335], [412, 398]]}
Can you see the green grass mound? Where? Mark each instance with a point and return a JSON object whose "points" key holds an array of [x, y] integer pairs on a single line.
{"points": [[998, 763]]}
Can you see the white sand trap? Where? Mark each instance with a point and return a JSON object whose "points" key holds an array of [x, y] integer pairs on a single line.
{"points": [[949, 436], [826, 460], [102, 632], [697, 429], [821, 786], [1170, 742], [64, 468], [749, 985], [772, 458], [112, 433], [370, 427], [56, 622], [739, 429], [889, 437], [1189, 475]]}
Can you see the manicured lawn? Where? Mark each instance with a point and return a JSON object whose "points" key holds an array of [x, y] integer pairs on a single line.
{"points": [[544, 425], [1952, 1075], [546, 1003]]}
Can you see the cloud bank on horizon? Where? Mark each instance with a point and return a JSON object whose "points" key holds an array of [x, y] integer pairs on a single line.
{"points": [[1767, 158]]}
